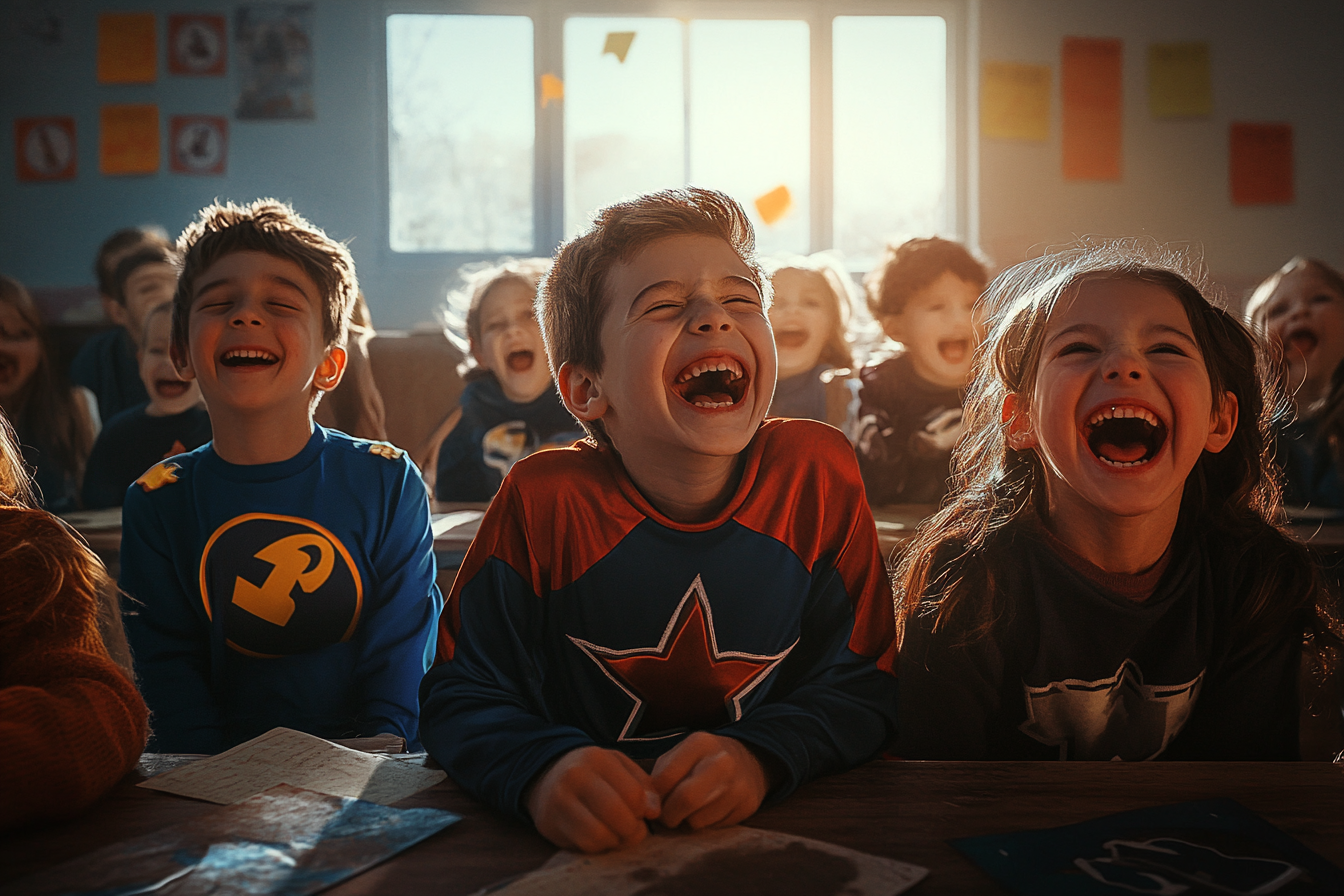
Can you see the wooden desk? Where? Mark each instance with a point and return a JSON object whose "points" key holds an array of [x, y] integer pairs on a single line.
{"points": [[905, 810]]}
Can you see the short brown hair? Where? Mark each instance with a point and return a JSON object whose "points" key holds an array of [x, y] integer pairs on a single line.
{"points": [[914, 265], [572, 300], [272, 227]]}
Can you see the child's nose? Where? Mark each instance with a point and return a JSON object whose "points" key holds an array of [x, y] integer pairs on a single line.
{"points": [[1123, 365], [708, 316]]}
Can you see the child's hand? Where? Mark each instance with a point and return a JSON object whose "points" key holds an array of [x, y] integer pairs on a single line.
{"points": [[709, 780], [592, 800]]}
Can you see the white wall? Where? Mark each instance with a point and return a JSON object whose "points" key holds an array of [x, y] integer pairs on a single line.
{"points": [[1270, 62]]}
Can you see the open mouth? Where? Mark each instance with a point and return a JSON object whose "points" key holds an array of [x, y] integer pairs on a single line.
{"points": [[520, 361], [712, 383], [954, 351], [248, 357], [170, 388], [791, 338], [1125, 435], [1302, 341]]}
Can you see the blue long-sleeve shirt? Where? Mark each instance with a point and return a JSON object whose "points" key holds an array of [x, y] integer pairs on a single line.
{"points": [[297, 594]]}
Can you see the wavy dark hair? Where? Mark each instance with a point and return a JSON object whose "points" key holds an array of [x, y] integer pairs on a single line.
{"points": [[953, 567]]}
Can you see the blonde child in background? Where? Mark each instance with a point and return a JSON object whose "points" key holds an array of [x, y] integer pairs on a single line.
{"points": [[923, 294], [1107, 580], [509, 408], [809, 316], [55, 422], [1300, 310], [173, 421]]}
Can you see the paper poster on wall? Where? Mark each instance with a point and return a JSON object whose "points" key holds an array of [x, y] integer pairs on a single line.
{"points": [[552, 90], [128, 139], [1179, 82], [45, 148], [274, 45], [127, 52], [1091, 92], [618, 44], [198, 144], [197, 44], [1014, 101], [1260, 163]]}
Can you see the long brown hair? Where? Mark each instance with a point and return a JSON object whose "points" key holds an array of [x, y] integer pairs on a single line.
{"points": [[953, 567], [45, 409]]}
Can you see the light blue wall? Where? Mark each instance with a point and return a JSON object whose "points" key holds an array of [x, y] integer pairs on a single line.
{"points": [[331, 168]]}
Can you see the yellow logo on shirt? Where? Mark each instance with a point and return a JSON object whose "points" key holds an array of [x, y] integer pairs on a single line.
{"points": [[280, 585], [158, 476], [383, 449]]}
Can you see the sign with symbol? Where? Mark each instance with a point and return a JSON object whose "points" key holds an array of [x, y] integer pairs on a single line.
{"points": [[44, 148], [197, 45], [198, 144]]}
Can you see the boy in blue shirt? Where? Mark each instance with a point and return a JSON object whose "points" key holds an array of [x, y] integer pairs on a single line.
{"points": [[691, 588], [282, 574]]}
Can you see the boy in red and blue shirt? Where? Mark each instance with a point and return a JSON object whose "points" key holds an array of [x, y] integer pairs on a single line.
{"points": [[693, 588]]}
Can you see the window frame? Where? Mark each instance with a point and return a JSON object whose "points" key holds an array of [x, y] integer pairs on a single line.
{"points": [[548, 18]]}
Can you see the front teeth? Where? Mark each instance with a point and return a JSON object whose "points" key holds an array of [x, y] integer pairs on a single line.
{"points": [[249, 353], [1116, 463], [695, 370], [1113, 412], [713, 404]]}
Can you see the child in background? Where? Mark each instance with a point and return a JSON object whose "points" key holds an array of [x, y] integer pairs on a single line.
{"points": [[173, 421], [691, 588], [106, 363], [923, 294], [284, 573], [1106, 580], [509, 408], [1300, 310], [809, 315], [55, 423], [58, 683]]}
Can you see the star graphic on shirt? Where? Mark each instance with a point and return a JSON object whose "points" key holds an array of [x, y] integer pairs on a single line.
{"points": [[684, 682], [178, 448]]}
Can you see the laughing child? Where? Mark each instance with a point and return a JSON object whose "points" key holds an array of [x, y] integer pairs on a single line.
{"points": [[809, 314], [1106, 580], [106, 363], [1300, 311], [173, 421], [282, 574], [689, 590], [923, 294], [509, 408]]}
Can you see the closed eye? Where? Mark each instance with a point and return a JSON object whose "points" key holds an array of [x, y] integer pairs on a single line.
{"points": [[1074, 348], [1167, 348]]}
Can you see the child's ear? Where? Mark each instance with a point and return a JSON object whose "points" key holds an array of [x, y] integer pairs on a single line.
{"points": [[893, 326], [181, 362], [329, 372], [475, 351], [1222, 424], [581, 392], [1017, 416]]}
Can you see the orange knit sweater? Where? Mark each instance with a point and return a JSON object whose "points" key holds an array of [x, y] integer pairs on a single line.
{"points": [[71, 723]]}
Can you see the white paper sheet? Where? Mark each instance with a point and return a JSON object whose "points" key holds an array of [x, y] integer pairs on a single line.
{"points": [[284, 756]]}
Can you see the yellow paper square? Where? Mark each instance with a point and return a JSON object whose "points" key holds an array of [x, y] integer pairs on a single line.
{"points": [[774, 205], [552, 90], [1015, 101], [1179, 82], [128, 139], [618, 44], [127, 48]]}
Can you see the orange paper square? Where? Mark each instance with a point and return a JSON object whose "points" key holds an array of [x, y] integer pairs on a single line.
{"points": [[1260, 163], [1091, 92], [128, 139], [127, 51]]}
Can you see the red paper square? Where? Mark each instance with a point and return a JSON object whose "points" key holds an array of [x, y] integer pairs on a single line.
{"points": [[198, 144], [45, 148], [197, 44], [1260, 163]]}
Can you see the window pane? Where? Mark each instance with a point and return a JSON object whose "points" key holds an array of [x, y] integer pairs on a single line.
{"points": [[890, 118], [460, 143], [750, 118], [624, 121]]}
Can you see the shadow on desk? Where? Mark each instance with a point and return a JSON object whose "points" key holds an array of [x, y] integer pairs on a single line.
{"points": [[903, 810]]}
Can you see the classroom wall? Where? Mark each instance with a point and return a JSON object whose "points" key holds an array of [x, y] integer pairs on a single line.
{"points": [[1271, 62]]}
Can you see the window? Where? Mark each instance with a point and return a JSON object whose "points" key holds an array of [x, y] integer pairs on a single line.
{"points": [[832, 128]]}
